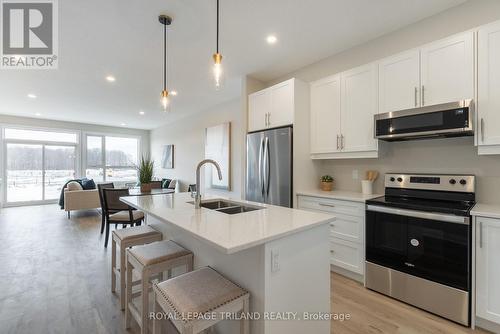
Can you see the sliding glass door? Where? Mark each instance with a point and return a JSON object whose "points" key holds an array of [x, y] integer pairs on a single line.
{"points": [[37, 164]]}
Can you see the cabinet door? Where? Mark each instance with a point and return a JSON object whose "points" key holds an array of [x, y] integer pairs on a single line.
{"points": [[325, 115], [282, 104], [448, 70], [399, 82], [259, 105], [489, 85], [488, 269], [359, 103]]}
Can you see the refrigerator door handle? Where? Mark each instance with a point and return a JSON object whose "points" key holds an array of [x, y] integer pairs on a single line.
{"points": [[261, 179], [267, 170]]}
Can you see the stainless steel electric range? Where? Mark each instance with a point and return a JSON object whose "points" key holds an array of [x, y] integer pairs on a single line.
{"points": [[418, 242]]}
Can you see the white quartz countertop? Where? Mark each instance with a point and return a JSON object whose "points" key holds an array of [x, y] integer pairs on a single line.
{"points": [[339, 194], [228, 233], [486, 210]]}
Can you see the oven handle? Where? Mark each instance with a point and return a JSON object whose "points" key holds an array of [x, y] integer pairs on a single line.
{"points": [[419, 214]]}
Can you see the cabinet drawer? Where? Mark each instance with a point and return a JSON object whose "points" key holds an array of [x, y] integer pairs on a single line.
{"points": [[332, 206], [347, 255], [349, 228]]}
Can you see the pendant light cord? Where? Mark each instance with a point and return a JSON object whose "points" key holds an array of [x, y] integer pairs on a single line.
{"points": [[164, 57], [217, 42]]}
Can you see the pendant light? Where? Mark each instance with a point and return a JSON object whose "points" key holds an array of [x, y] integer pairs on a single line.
{"points": [[217, 57], [166, 21]]}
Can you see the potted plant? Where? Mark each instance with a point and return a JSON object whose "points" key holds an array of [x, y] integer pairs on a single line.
{"points": [[326, 183], [145, 170]]}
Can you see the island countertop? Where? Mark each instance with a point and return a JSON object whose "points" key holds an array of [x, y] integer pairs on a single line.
{"points": [[228, 233]]}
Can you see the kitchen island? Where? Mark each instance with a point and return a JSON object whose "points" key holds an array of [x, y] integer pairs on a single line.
{"points": [[280, 255]]}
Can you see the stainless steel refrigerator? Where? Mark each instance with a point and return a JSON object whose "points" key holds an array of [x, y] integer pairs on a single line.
{"points": [[269, 167]]}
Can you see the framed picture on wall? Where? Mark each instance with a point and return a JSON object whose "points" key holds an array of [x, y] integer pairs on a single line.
{"points": [[218, 148], [167, 159]]}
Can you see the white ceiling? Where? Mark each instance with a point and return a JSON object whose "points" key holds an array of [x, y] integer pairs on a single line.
{"points": [[124, 38]]}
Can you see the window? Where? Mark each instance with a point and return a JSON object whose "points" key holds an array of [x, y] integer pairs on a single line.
{"points": [[112, 158], [39, 163]]}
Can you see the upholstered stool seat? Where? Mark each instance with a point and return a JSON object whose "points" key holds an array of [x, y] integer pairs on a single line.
{"points": [[125, 215], [125, 238], [149, 260], [186, 297]]}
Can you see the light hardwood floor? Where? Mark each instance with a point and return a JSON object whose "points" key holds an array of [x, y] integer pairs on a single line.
{"points": [[55, 278]]}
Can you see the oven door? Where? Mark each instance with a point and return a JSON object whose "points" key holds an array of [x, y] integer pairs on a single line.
{"points": [[428, 245]]}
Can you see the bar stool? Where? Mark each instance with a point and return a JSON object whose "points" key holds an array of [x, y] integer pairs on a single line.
{"points": [[186, 298], [150, 260], [125, 238]]}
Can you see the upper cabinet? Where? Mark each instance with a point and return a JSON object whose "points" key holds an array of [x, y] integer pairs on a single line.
{"points": [[447, 68], [358, 106], [488, 90], [342, 110], [399, 82], [325, 115], [272, 107]]}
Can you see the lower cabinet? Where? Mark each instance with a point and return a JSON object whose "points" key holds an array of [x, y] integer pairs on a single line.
{"points": [[347, 244], [488, 269]]}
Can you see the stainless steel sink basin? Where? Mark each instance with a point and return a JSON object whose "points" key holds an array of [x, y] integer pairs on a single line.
{"points": [[228, 207]]}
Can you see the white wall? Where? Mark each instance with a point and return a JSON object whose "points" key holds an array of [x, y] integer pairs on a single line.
{"points": [[188, 137], [432, 156]]}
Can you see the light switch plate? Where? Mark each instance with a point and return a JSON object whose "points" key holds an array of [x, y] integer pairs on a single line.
{"points": [[355, 174]]}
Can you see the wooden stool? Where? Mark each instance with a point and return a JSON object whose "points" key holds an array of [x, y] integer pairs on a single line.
{"points": [[150, 260], [125, 238], [186, 297]]}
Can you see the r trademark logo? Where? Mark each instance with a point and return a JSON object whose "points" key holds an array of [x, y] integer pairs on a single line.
{"points": [[29, 34]]}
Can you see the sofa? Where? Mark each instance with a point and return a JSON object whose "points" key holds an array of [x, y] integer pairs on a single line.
{"points": [[76, 198]]}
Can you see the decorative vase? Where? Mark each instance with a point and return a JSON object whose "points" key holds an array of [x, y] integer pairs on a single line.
{"points": [[326, 186], [146, 187]]}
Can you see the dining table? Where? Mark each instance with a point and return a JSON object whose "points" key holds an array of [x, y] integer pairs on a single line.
{"points": [[136, 191]]}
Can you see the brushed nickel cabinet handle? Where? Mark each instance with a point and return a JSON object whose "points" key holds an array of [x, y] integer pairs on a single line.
{"points": [[482, 130], [337, 142], [423, 95], [342, 142], [416, 93], [328, 205], [480, 234], [269, 118]]}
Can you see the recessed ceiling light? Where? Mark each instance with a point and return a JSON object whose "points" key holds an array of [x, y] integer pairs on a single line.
{"points": [[271, 39], [174, 93], [123, 124], [141, 112], [38, 114], [110, 78], [32, 96]]}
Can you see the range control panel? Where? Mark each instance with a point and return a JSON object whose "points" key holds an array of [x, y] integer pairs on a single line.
{"points": [[460, 183]]}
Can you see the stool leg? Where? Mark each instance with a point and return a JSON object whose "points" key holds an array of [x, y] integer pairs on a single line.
{"points": [[113, 265], [123, 268], [145, 302], [128, 297], [190, 264], [156, 309], [244, 323]]}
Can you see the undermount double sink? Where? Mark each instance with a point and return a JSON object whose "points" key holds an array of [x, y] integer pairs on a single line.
{"points": [[228, 207]]}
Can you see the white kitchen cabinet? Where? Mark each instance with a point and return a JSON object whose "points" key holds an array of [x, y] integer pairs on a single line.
{"points": [[359, 105], [488, 269], [488, 91], [272, 107], [259, 105], [347, 243], [325, 115], [447, 70], [399, 82]]}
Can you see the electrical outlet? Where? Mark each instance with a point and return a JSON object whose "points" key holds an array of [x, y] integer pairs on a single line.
{"points": [[275, 260], [355, 174]]}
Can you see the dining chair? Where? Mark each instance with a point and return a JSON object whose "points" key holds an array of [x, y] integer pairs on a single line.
{"points": [[118, 212], [100, 188], [156, 184]]}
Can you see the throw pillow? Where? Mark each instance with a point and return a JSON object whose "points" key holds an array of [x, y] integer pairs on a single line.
{"points": [[88, 184], [73, 185], [172, 184]]}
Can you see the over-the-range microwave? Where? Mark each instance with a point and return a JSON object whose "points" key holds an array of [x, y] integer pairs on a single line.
{"points": [[453, 119]]}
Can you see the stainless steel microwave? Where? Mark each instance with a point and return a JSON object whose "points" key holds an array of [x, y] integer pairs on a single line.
{"points": [[453, 119]]}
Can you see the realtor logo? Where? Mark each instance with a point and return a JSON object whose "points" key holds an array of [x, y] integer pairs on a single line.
{"points": [[29, 34]]}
